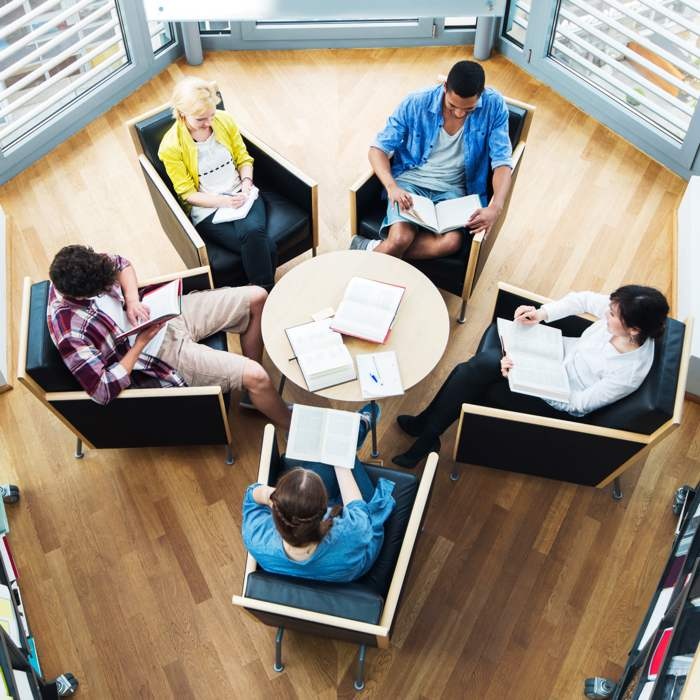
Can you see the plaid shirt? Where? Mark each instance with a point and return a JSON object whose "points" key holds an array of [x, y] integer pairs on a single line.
{"points": [[85, 337]]}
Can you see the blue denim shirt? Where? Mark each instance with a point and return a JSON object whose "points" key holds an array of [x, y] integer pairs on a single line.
{"points": [[412, 129]]}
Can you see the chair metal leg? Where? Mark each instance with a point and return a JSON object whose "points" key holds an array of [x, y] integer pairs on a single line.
{"points": [[279, 666], [373, 426], [462, 311], [79, 454], [313, 251], [454, 475], [359, 683], [617, 489], [283, 381], [229, 455]]}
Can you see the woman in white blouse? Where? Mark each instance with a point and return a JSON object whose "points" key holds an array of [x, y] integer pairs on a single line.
{"points": [[606, 363]]}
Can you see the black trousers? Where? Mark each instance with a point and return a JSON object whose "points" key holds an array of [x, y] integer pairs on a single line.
{"points": [[248, 238], [478, 380]]}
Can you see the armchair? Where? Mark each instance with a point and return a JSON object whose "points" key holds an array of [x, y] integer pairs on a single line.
{"points": [[137, 417], [457, 273], [595, 449], [291, 201], [363, 611]]}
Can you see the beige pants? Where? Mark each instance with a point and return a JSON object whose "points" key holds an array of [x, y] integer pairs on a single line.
{"points": [[203, 314]]}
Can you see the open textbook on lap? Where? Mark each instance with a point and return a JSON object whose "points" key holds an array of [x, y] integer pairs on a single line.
{"points": [[537, 352], [323, 435], [368, 309], [323, 358], [164, 302], [443, 216]]}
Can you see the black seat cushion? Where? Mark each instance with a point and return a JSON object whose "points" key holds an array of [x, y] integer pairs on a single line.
{"points": [[287, 224], [362, 599], [44, 363], [651, 404]]}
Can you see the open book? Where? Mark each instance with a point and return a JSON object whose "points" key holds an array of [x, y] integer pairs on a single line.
{"points": [[323, 435], [368, 309], [164, 302], [537, 352], [236, 213], [323, 358], [444, 216]]}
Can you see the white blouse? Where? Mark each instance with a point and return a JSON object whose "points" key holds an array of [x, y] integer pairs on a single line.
{"points": [[598, 373]]}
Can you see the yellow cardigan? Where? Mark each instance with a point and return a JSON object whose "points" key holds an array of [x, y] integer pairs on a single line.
{"points": [[179, 153]]}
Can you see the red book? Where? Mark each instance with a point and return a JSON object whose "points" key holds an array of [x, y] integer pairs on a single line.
{"points": [[8, 561], [657, 658]]}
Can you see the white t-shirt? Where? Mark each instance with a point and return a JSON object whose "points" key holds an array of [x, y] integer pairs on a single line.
{"points": [[598, 373], [217, 173]]}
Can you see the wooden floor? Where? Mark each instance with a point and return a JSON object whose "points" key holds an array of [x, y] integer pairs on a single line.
{"points": [[521, 586]]}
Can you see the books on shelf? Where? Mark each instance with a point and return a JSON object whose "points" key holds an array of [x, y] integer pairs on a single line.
{"points": [[537, 352], [368, 309], [443, 216], [4, 524], [323, 435], [8, 561], [24, 688], [8, 620], [379, 375], [322, 356]]}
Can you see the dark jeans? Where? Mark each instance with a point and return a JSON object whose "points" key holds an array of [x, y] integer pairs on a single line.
{"points": [[478, 380], [248, 238]]}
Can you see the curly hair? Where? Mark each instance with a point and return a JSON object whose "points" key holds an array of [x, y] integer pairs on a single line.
{"points": [[299, 506], [78, 271]]}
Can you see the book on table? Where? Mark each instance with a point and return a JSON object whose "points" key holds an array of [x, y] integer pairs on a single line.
{"points": [[444, 216], [323, 435], [322, 356], [368, 309], [164, 302], [537, 352]]}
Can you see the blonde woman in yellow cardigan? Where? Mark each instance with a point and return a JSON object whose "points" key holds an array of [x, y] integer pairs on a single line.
{"points": [[210, 168]]}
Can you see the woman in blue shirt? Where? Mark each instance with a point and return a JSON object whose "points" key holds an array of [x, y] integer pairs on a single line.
{"points": [[299, 527]]}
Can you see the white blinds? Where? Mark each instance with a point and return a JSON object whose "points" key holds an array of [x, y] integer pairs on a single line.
{"points": [[643, 52], [51, 53]]}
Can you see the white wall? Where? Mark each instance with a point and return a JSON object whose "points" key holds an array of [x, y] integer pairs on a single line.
{"points": [[689, 273]]}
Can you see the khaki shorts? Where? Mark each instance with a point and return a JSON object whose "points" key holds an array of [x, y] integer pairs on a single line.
{"points": [[204, 314]]}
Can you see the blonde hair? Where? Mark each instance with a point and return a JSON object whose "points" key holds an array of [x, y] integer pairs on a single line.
{"points": [[193, 97]]}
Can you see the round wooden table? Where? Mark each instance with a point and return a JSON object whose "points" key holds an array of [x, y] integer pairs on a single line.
{"points": [[420, 331]]}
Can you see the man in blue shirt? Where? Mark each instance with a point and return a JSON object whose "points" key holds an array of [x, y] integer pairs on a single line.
{"points": [[443, 142]]}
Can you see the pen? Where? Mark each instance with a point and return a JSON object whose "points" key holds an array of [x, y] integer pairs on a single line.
{"points": [[378, 377], [374, 378]]}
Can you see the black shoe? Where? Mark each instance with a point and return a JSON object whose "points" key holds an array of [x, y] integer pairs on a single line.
{"points": [[417, 452], [410, 425]]}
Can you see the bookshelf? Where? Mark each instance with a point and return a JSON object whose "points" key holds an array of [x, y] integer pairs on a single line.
{"points": [[664, 661], [20, 672]]}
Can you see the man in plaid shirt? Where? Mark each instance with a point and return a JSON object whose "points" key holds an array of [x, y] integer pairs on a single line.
{"points": [[86, 285]]}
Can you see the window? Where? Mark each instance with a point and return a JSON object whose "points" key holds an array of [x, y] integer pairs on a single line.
{"points": [[460, 22], [162, 35], [51, 54], [643, 53], [516, 19]]}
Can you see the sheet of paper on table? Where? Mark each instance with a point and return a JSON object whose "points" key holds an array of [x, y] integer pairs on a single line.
{"points": [[379, 375]]}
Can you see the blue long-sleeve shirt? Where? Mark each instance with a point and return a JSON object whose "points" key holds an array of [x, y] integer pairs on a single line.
{"points": [[412, 130]]}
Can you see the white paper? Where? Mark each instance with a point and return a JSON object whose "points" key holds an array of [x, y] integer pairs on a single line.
{"points": [[454, 213], [657, 614], [223, 214], [379, 375], [323, 435]]}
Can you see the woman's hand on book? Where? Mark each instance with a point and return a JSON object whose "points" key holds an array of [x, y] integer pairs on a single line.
{"points": [[232, 200], [506, 365], [137, 312], [528, 315]]}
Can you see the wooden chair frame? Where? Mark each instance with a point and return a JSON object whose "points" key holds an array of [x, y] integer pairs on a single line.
{"points": [[176, 224], [642, 442], [379, 633], [52, 400], [481, 245]]}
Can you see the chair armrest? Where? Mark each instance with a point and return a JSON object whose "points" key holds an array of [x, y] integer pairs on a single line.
{"points": [[268, 445], [547, 422], [411, 535], [195, 279], [279, 174], [131, 125], [173, 392], [175, 222], [364, 192], [381, 632]]}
